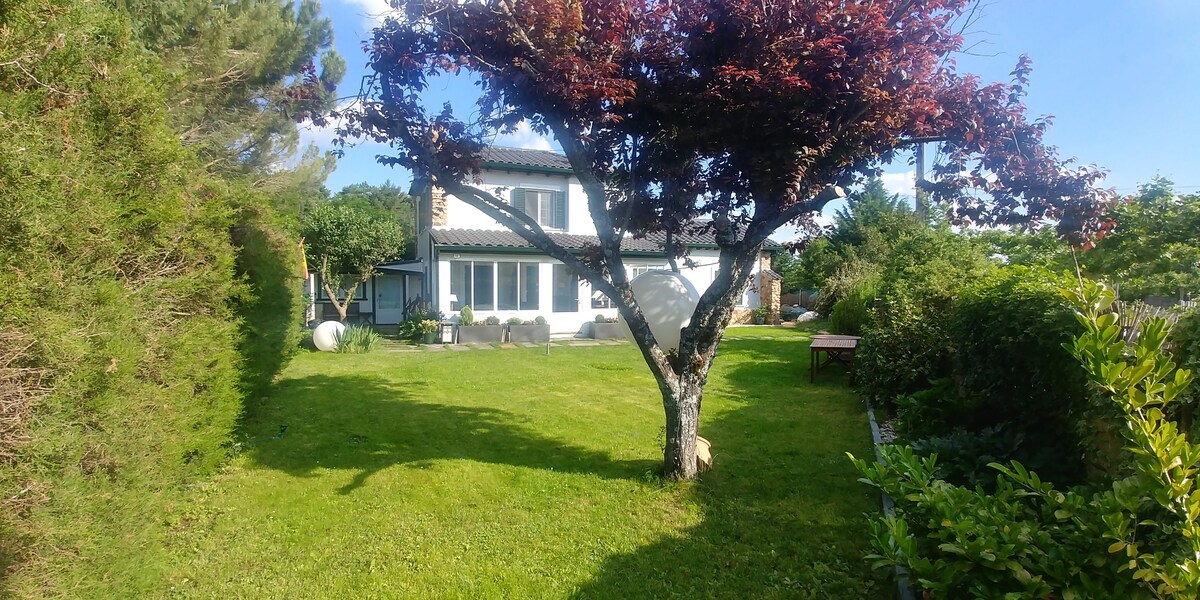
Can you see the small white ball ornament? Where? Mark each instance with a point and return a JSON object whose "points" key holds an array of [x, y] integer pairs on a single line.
{"points": [[326, 335], [667, 300]]}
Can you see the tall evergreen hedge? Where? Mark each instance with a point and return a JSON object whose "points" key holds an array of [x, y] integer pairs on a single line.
{"points": [[140, 298]]}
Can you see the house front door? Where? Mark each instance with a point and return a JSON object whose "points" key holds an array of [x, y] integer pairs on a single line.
{"points": [[389, 299]]}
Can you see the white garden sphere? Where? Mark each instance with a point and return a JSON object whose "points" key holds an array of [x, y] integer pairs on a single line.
{"points": [[667, 300], [326, 335]]}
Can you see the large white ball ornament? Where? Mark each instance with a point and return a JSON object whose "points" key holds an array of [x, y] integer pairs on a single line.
{"points": [[667, 300], [326, 335]]}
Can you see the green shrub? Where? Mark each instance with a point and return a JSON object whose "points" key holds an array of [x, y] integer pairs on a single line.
{"points": [[841, 283], [269, 308], [909, 343], [539, 320], [410, 329], [1008, 330], [994, 359], [119, 277], [517, 321], [492, 320], [908, 349], [852, 314], [466, 316], [358, 339], [1185, 346], [601, 319], [1135, 538]]}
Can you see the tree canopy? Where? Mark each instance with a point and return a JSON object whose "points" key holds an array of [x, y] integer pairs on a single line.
{"points": [[728, 116], [388, 199], [1155, 247], [241, 75], [344, 242]]}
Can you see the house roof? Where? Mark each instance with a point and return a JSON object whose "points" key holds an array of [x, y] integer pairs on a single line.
{"points": [[507, 240], [542, 161], [409, 267], [769, 274]]}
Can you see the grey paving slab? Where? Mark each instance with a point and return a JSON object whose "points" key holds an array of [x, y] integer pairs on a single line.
{"points": [[459, 348]]}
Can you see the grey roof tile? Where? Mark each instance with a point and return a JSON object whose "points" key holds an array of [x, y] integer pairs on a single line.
{"points": [[492, 238], [522, 157]]}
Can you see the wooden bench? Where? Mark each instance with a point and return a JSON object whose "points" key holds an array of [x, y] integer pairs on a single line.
{"points": [[838, 348]]}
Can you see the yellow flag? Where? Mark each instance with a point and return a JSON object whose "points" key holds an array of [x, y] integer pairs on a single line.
{"points": [[303, 261]]}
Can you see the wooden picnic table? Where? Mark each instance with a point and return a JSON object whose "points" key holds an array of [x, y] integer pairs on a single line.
{"points": [[838, 348]]}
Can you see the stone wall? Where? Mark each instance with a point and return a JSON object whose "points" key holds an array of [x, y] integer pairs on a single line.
{"points": [[769, 290], [438, 206], [742, 316]]}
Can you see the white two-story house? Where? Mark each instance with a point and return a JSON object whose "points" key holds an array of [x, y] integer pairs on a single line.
{"points": [[469, 259], [466, 258]]}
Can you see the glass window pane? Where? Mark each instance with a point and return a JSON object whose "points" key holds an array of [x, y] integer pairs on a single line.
{"points": [[531, 204], [546, 209], [566, 290], [506, 286], [460, 283], [599, 300], [529, 286], [482, 288]]}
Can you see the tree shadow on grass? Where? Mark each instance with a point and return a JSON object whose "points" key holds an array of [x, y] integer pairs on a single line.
{"points": [[783, 510], [367, 424]]}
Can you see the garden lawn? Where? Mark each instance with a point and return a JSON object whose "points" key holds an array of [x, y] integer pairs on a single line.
{"points": [[510, 473]]}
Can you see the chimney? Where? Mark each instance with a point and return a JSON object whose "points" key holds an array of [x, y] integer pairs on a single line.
{"points": [[437, 202]]}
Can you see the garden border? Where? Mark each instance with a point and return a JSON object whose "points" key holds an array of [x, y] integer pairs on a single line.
{"points": [[903, 588]]}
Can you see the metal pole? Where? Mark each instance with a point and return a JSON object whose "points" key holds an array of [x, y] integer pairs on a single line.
{"points": [[921, 206]]}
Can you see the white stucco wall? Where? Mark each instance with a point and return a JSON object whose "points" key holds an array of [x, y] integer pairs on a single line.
{"points": [[563, 323], [460, 215]]}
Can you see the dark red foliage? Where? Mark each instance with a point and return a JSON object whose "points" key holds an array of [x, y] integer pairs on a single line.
{"points": [[739, 110]]}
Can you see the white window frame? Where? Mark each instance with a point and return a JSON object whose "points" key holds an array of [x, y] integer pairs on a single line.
{"points": [[545, 220]]}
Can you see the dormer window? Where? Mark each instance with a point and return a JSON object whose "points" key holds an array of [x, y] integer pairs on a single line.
{"points": [[547, 207]]}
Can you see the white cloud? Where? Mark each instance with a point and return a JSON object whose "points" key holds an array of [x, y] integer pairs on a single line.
{"points": [[372, 11], [323, 136], [527, 138], [900, 183]]}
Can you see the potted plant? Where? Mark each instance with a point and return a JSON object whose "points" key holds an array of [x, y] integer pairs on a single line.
{"points": [[537, 330], [470, 330], [429, 331], [760, 314], [606, 328]]}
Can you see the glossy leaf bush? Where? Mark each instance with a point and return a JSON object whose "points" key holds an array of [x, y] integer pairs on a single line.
{"points": [[1136, 538]]}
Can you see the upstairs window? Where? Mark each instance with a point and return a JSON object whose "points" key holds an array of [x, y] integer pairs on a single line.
{"points": [[547, 207]]}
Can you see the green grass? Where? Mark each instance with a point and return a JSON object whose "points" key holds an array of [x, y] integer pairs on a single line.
{"points": [[514, 474]]}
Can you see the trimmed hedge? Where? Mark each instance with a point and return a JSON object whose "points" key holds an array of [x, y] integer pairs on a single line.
{"points": [[134, 290]]}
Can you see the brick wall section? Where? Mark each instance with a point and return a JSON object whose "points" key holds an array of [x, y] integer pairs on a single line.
{"points": [[769, 297], [438, 205], [770, 290]]}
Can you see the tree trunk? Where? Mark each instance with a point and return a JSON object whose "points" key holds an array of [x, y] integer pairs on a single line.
{"points": [[683, 422], [340, 307]]}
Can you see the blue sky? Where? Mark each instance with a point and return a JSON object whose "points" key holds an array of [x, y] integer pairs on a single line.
{"points": [[1121, 77]]}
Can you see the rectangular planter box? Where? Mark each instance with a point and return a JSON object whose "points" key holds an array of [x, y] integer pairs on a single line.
{"points": [[607, 331], [528, 333], [480, 333]]}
